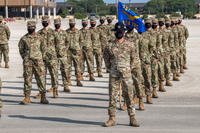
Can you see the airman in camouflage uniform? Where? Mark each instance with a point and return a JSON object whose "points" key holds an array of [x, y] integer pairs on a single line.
{"points": [[166, 44], [50, 56], [185, 37], [62, 47], [144, 53], [86, 45], [32, 50], [96, 43], [159, 46], [110, 26], [138, 79], [74, 52], [120, 57], [1, 104], [174, 49], [4, 38]]}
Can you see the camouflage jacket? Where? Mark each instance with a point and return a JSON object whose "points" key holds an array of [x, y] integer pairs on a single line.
{"points": [[120, 58], [96, 35], [167, 40], [31, 47], [85, 39], [74, 38], [110, 33], [185, 32], [62, 45], [181, 35], [103, 33], [175, 39], [144, 46], [49, 43], [4, 34]]}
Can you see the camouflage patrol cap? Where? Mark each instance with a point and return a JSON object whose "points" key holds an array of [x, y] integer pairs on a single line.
{"points": [[147, 20], [111, 18], [31, 23], [45, 18], [93, 20], [155, 20], [57, 21], [72, 21], [102, 18], [1, 18], [84, 20], [161, 20], [167, 20]]}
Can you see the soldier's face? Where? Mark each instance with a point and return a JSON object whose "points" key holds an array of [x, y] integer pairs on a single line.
{"points": [[119, 34], [172, 23], [148, 25], [167, 25], [102, 21], [93, 24], [31, 29], [161, 23], [72, 25], [179, 21], [84, 25], [45, 23], [57, 26], [155, 25], [109, 21]]}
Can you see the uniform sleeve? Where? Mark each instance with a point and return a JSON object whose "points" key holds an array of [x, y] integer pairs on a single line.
{"points": [[8, 32], [42, 47], [21, 46], [106, 56], [186, 33]]}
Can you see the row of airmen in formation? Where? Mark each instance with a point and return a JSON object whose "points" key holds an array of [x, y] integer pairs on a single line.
{"points": [[138, 62]]}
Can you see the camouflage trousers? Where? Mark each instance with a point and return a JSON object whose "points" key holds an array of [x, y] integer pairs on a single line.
{"points": [[180, 55], [138, 82], [173, 59], [154, 72], [64, 68], [75, 57], [36, 68], [52, 67], [146, 72], [184, 53], [89, 59], [98, 57], [4, 51], [161, 72], [167, 66], [127, 88]]}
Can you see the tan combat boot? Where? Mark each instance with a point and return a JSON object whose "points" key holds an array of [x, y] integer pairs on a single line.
{"points": [[168, 83], [178, 74], [6, 65], [26, 100], [141, 104], [50, 90], [66, 89], [43, 99], [133, 121], [182, 70], [100, 74], [81, 77], [154, 93], [92, 77], [175, 78], [111, 122], [55, 92], [38, 96], [79, 81], [185, 67], [149, 100], [69, 81], [161, 87]]}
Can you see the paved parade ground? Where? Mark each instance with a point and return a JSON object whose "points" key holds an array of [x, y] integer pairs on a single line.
{"points": [[85, 109]]}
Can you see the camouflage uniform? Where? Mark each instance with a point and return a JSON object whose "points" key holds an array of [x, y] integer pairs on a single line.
{"points": [[61, 50], [110, 33], [50, 56], [86, 45], [97, 49], [74, 52], [31, 49], [120, 59], [4, 38]]}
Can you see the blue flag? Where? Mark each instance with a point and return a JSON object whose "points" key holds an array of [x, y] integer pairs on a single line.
{"points": [[130, 18]]}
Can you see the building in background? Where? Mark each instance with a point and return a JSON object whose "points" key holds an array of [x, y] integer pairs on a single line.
{"points": [[27, 8]]}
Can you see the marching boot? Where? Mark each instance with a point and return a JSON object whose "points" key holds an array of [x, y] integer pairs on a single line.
{"points": [[79, 81], [55, 92], [169, 83], [175, 78], [149, 100], [185, 67], [182, 70], [111, 122], [6, 65], [141, 104], [69, 81], [81, 77], [38, 96], [133, 121], [50, 90], [43, 99], [100, 74], [161, 87], [124, 107], [92, 77], [178, 74], [66, 89], [26, 100], [154, 93]]}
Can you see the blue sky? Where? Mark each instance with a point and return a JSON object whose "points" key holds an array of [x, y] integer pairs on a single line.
{"points": [[111, 1]]}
